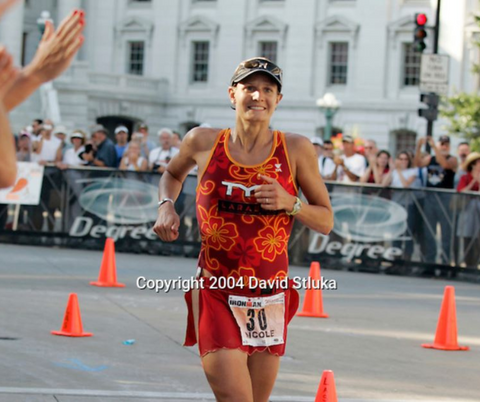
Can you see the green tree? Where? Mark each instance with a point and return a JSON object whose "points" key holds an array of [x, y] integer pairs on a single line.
{"points": [[463, 111]]}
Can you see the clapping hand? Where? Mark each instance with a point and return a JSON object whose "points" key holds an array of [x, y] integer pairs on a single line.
{"points": [[57, 48]]}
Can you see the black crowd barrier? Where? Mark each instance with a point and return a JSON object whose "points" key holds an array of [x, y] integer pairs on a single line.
{"points": [[409, 231]]}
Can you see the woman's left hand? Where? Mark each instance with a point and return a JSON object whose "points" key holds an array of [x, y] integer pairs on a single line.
{"points": [[272, 196]]}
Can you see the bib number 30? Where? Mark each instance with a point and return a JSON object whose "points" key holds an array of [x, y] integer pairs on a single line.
{"points": [[261, 320]]}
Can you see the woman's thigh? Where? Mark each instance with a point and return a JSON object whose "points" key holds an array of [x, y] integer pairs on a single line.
{"points": [[263, 369], [228, 375]]}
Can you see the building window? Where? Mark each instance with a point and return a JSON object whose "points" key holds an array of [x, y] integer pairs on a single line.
{"points": [[411, 66], [405, 140], [269, 50], [136, 58], [338, 63], [200, 61]]}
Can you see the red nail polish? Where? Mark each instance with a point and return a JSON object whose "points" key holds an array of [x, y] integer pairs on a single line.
{"points": [[75, 12], [82, 13]]}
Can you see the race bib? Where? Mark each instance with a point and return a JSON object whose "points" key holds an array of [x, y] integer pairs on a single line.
{"points": [[261, 319]]}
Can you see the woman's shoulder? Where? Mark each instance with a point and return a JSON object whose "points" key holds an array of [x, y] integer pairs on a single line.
{"points": [[297, 141]]}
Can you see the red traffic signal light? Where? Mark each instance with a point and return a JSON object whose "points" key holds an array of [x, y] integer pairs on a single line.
{"points": [[420, 33], [421, 19]]}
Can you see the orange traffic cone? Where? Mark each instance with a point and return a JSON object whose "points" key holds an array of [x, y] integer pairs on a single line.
{"points": [[313, 303], [108, 270], [72, 322], [326, 390], [446, 335]]}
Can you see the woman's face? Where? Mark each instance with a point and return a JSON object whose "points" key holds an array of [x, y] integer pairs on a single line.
{"points": [[403, 161], [255, 98], [382, 160], [134, 149], [77, 142]]}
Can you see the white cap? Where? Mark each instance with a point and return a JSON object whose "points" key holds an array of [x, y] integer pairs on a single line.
{"points": [[77, 134], [317, 141], [119, 129], [60, 130]]}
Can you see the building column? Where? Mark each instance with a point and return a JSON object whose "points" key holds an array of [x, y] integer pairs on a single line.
{"points": [[11, 31]]}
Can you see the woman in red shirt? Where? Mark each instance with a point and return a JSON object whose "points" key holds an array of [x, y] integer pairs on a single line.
{"points": [[470, 181]]}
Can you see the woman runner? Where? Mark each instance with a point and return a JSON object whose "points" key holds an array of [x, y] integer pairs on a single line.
{"points": [[247, 194]]}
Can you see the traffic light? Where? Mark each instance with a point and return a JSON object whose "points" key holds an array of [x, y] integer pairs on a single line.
{"points": [[431, 100], [420, 33]]}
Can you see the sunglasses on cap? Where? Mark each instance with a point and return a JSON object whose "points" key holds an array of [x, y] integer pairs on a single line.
{"points": [[258, 64]]}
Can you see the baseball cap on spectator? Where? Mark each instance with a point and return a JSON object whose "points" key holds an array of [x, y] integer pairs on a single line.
{"points": [[317, 141], [120, 129], [25, 134], [47, 127], [347, 138], [143, 125], [474, 156], [98, 127], [444, 138]]}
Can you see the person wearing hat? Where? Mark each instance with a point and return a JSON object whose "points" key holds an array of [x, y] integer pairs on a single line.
{"points": [[248, 185], [46, 146], [146, 145], [470, 181], [103, 153], [121, 139], [60, 132], [325, 164], [72, 158], [441, 169], [350, 166]]}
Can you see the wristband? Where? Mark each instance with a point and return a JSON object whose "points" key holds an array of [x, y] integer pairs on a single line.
{"points": [[160, 203]]}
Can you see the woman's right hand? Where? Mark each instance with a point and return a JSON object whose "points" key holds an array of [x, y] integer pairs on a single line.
{"points": [[8, 72], [168, 222]]}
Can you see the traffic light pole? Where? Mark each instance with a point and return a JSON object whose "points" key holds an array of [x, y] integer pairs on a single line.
{"points": [[437, 28], [435, 51]]}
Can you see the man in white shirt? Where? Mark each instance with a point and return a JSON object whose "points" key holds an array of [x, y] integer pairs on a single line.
{"points": [[46, 146], [350, 166], [159, 157], [325, 164]]}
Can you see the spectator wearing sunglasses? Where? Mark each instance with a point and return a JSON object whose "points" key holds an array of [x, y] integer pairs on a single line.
{"points": [[246, 199], [441, 169]]}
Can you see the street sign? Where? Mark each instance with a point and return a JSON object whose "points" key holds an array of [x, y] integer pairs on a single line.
{"points": [[434, 73]]}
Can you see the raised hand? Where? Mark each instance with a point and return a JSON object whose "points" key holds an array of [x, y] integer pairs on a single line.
{"points": [[57, 48], [8, 72]]}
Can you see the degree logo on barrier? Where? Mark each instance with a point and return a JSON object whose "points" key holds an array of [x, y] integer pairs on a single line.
{"points": [[121, 201]]}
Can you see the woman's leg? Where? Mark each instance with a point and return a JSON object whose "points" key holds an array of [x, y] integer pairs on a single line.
{"points": [[228, 375], [263, 372]]}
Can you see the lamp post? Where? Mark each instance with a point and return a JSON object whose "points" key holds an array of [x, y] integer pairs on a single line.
{"points": [[329, 105]]}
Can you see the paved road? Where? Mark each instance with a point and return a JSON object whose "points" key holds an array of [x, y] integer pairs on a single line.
{"points": [[371, 340]]}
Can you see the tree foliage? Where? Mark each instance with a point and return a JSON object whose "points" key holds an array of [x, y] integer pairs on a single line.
{"points": [[462, 111]]}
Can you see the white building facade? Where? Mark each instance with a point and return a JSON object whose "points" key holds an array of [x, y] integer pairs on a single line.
{"points": [[169, 62]]}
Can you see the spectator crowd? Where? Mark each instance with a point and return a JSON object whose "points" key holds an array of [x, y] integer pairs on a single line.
{"points": [[47, 144], [429, 214]]}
